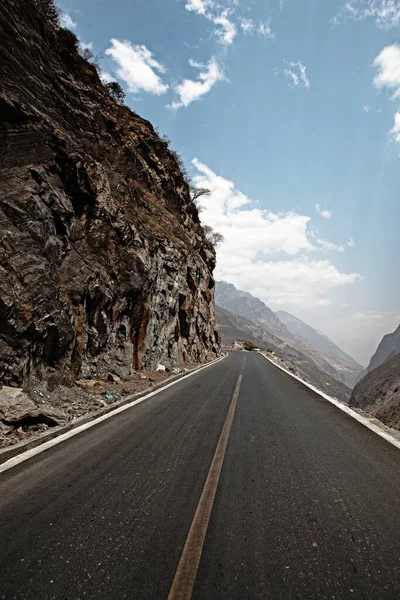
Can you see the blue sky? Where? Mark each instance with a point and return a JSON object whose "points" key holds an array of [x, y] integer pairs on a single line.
{"points": [[288, 110]]}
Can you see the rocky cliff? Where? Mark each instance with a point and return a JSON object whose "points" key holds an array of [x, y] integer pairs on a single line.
{"points": [[246, 305], [389, 343], [378, 392], [104, 264]]}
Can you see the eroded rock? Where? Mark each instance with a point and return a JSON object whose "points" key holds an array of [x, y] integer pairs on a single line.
{"points": [[105, 266], [17, 409], [16, 406]]}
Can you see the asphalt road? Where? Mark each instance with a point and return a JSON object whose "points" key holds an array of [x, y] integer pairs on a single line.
{"points": [[307, 505]]}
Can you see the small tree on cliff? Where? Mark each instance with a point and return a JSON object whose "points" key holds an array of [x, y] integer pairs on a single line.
{"points": [[212, 236], [115, 91], [197, 193], [67, 39]]}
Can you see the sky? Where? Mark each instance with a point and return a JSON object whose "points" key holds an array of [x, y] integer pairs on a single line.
{"points": [[289, 112]]}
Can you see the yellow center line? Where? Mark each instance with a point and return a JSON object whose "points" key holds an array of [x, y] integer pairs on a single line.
{"points": [[185, 576]]}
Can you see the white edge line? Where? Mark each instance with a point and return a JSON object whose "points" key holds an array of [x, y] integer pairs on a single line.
{"points": [[16, 460], [352, 413]]}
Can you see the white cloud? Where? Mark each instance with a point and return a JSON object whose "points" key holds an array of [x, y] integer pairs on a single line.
{"points": [[137, 67], [297, 74], [388, 76], [225, 21], [199, 6], [388, 64], [395, 131], [67, 21], [190, 90], [226, 29], [326, 214], [391, 319], [386, 13], [328, 246], [106, 77], [371, 109], [85, 45], [265, 30], [265, 252], [249, 27], [335, 21]]}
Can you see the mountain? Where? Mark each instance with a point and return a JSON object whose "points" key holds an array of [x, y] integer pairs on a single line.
{"points": [[253, 309], [104, 264], [378, 392], [341, 361], [234, 327], [246, 305], [389, 343]]}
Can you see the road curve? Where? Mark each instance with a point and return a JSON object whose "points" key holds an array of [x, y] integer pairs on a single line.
{"points": [[307, 503]]}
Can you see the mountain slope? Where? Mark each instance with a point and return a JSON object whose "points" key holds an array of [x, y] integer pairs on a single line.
{"points": [[341, 361], [378, 392], [246, 305], [104, 264], [388, 344], [235, 327], [253, 309]]}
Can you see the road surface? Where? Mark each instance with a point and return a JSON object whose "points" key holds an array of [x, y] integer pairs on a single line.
{"points": [[307, 504]]}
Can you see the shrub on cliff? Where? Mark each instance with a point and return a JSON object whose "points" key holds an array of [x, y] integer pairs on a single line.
{"points": [[48, 9], [67, 40], [115, 91], [196, 194], [212, 236]]}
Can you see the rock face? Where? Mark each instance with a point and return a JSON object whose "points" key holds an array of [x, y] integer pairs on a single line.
{"points": [[16, 408], [246, 305], [234, 327], [389, 343], [15, 405], [378, 392], [104, 264], [342, 362]]}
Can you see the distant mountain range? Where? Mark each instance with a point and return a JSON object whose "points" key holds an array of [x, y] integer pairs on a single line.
{"points": [[313, 355], [234, 327], [291, 332], [339, 360], [246, 305]]}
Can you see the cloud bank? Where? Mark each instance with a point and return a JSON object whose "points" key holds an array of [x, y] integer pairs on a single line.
{"points": [[267, 253]]}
